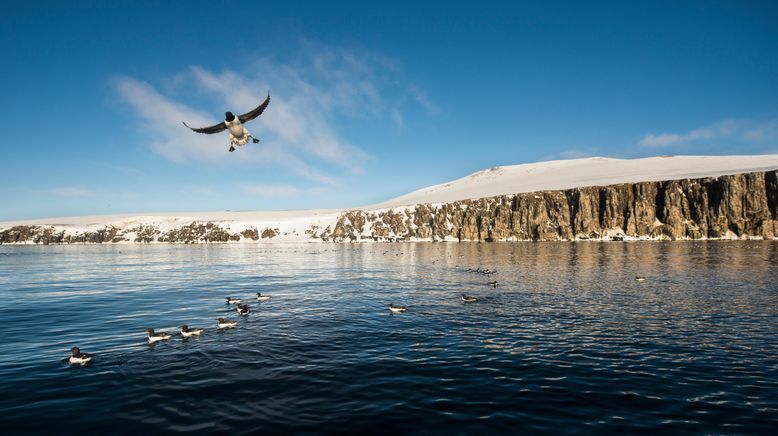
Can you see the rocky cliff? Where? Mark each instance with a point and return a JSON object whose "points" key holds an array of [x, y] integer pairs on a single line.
{"points": [[726, 207]]}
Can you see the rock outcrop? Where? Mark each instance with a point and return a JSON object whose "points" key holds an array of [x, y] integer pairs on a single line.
{"points": [[727, 207]]}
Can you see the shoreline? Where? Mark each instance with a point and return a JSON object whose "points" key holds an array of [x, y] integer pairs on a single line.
{"points": [[738, 206]]}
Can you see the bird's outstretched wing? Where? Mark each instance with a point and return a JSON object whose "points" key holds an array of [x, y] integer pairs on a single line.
{"points": [[216, 128], [257, 111]]}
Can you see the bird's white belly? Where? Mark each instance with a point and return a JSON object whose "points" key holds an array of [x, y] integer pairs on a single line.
{"points": [[191, 333], [238, 133]]}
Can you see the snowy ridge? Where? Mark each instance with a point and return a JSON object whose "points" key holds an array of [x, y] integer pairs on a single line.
{"points": [[542, 176], [577, 173]]}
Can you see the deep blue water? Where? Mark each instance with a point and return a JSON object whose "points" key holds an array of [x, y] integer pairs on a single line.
{"points": [[568, 342]]}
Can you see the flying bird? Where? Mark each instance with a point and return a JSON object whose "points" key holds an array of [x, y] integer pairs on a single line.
{"points": [[238, 134]]}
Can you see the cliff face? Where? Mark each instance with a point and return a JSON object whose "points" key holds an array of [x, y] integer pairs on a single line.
{"points": [[737, 206], [726, 207]]}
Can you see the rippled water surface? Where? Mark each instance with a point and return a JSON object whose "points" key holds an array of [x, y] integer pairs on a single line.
{"points": [[568, 342]]}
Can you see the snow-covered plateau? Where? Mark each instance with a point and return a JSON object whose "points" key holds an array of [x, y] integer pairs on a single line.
{"points": [[673, 197]]}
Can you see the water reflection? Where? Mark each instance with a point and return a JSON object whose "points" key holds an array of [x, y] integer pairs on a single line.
{"points": [[568, 336]]}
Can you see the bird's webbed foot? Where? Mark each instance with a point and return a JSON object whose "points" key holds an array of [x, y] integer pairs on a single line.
{"points": [[232, 149], [255, 140]]}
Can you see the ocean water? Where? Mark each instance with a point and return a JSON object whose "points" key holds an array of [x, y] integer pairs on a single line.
{"points": [[567, 343]]}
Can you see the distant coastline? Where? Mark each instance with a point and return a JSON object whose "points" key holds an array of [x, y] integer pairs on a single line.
{"points": [[731, 206]]}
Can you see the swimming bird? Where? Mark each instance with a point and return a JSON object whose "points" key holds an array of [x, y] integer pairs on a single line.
{"points": [[639, 278], [261, 297], [157, 336], [79, 358], [242, 309], [493, 283], [397, 309], [469, 298], [225, 323], [232, 300], [238, 133], [186, 331]]}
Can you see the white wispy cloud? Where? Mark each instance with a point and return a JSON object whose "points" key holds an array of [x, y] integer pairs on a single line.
{"points": [[161, 118], [741, 130], [397, 118], [310, 94], [423, 99]]}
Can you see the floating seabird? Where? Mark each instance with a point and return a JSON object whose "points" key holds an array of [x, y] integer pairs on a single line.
{"points": [[79, 358], [469, 298], [493, 283], [232, 300], [397, 309], [238, 133], [186, 331], [242, 309], [261, 297], [225, 323], [639, 278], [157, 336]]}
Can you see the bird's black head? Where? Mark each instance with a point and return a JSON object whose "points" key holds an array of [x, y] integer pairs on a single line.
{"points": [[150, 330], [228, 116], [75, 351], [184, 328]]}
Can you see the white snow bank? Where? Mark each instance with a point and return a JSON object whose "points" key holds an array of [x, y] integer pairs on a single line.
{"points": [[576, 173]]}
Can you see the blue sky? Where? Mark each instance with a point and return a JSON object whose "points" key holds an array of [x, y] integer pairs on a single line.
{"points": [[369, 102]]}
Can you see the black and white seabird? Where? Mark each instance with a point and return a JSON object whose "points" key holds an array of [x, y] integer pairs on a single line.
{"points": [[261, 297], [469, 298], [78, 358], [238, 133], [232, 300], [242, 309], [186, 331], [225, 323], [157, 336]]}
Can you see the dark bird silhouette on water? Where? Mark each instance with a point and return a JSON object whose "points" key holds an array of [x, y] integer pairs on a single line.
{"points": [[238, 133]]}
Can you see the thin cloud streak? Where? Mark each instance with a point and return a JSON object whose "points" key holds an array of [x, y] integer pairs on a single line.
{"points": [[731, 130], [397, 118]]}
